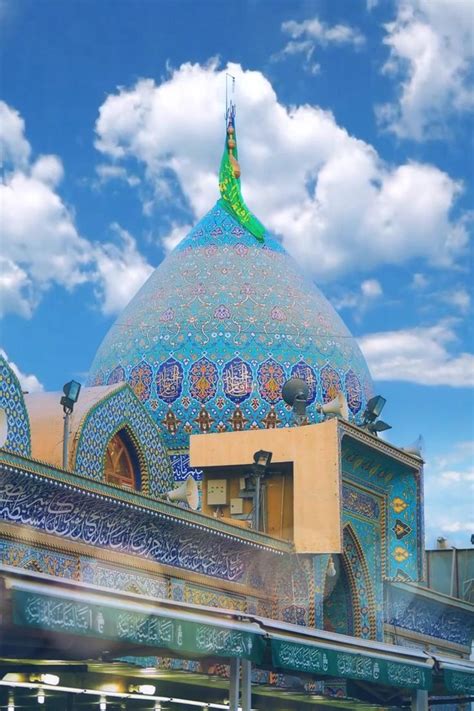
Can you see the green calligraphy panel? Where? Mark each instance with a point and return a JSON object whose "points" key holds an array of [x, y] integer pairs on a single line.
{"points": [[150, 630], [318, 660]]}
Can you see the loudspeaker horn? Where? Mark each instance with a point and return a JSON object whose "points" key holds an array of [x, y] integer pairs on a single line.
{"points": [[295, 393], [337, 406], [416, 448], [187, 491]]}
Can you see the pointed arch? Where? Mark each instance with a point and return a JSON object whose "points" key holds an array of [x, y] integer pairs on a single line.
{"points": [[361, 585], [124, 464]]}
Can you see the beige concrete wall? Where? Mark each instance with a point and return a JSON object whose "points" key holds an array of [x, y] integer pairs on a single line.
{"points": [[314, 452]]}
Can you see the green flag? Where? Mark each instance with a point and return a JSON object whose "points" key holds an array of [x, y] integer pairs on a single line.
{"points": [[229, 186]]}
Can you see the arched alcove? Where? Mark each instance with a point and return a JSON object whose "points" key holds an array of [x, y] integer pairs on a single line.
{"points": [[360, 584], [121, 462], [338, 602]]}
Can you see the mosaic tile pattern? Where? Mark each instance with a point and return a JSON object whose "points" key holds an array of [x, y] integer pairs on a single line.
{"points": [[212, 336], [362, 581], [39, 560], [399, 490], [86, 517], [122, 409], [198, 595], [11, 401], [110, 576], [290, 583], [407, 610]]}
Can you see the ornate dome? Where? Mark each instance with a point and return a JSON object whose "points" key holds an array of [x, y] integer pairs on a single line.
{"points": [[223, 322]]}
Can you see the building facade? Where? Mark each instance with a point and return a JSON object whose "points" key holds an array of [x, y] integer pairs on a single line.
{"points": [[111, 585]]}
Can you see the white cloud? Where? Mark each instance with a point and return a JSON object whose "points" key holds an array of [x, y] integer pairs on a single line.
{"points": [[15, 290], [459, 298], [418, 355], [419, 281], [48, 169], [107, 172], [323, 33], [14, 148], [457, 526], [29, 383], [175, 236], [329, 195], [451, 476], [40, 242], [431, 47], [308, 34], [449, 489], [370, 290], [120, 271]]}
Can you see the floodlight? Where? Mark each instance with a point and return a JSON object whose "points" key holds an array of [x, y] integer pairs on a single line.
{"points": [[262, 459], [379, 426], [373, 408], [71, 392]]}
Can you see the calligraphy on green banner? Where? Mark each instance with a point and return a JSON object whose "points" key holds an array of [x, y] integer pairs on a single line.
{"points": [[319, 660], [58, 614], [459, 682]]}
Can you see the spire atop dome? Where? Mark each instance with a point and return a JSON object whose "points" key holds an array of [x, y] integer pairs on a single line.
{"points": [[229, 181]]}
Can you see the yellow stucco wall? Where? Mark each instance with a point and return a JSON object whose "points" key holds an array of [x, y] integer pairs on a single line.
{"points": [[315, 454]]}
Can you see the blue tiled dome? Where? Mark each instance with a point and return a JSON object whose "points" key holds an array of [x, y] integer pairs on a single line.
{"points": [[221, 324]]}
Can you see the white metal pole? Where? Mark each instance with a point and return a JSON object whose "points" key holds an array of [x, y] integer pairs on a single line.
{"points": [[234, 684], [419, 700], [65, 439], [246, 685]]}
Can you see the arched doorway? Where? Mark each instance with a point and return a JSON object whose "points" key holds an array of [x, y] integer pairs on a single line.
{"points": [[121, 466]]}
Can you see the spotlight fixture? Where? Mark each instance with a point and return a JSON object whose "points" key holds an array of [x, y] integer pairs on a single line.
{"points": [[40, 696], [103, 703], [146, 689], [71, 392], [49, 679], [379, 426], [369, 419], [373, 408], [262, 460]]}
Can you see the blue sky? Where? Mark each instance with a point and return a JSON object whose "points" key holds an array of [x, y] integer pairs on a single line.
{"points": [[355, 139]]}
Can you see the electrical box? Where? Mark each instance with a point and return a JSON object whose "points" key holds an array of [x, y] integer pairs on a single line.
{"points": [[236, 506], [216, 492]]}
